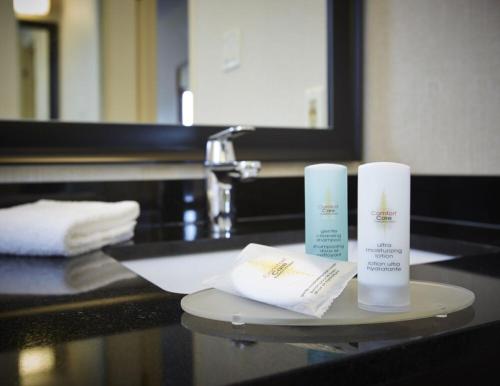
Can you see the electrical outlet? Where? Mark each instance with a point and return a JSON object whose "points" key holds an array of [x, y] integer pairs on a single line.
{"points": [[315, 108]]}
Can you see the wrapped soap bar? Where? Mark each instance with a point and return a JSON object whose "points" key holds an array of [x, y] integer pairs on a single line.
{"points": [[298, 282]]}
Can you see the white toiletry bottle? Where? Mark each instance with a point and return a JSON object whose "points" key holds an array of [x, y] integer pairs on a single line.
{"points": [[325, 188], [384, 237]]}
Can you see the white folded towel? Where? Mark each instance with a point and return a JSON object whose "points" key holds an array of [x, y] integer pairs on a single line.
{"points": [[67, 228]]}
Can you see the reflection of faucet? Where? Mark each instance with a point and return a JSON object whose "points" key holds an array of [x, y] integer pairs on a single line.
{"points": [[222, 169]]}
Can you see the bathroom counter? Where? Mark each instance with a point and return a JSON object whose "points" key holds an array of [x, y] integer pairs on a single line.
{"points": [[88, 320]]}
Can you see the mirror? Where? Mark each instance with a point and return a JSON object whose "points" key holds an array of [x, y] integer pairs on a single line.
{"points": [[202, 62], [38, 70]]}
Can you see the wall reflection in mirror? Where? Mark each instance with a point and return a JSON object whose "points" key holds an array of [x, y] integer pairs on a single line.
{"points": [[213, 62]]}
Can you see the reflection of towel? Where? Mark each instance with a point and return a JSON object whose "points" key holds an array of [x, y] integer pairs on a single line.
{"points": [[65, 227], [53, 276]]}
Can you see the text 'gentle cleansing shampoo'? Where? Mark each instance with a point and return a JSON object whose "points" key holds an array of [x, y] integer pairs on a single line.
{"points": [[326, 210], [384, 237]]}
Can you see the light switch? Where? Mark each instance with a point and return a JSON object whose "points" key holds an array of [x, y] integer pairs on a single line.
{"points": [[231, 50]]}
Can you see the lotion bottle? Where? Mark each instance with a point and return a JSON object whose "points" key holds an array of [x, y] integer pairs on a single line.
{"points": [[384, 237], [326, 210]]}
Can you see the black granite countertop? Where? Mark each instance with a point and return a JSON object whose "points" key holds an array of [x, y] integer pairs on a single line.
{"points": [[89, 321]]}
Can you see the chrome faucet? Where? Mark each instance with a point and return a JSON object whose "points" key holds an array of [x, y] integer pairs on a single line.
{"points": [[222, 170]]}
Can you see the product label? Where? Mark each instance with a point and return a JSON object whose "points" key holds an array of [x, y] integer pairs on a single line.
{"points": [[326, 225], [321, 281], [384, 257], [279, 268], [328, 243], [328, 210], [383, 215]]}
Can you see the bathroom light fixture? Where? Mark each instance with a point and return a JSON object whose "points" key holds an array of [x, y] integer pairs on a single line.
{"points": [[36, 360], [32, 7], [187, 108]]}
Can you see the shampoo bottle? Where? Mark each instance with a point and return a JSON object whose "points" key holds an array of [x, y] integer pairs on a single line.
{"points": [[383, 237], [326, 210]]}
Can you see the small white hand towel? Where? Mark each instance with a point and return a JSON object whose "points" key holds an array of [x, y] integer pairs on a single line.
{"points": [[67, 228]]}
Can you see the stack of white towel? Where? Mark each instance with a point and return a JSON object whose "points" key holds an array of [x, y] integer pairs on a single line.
{"points": [[66, 228]]}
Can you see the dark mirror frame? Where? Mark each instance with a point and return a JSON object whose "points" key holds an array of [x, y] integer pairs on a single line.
{"points": [[68, 142]]}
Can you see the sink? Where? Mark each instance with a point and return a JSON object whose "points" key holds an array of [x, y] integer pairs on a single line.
{"points": [[184, 274]]}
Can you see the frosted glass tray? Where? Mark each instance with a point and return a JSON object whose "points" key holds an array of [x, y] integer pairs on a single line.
{"points": [[341, 336], [427, 299]]}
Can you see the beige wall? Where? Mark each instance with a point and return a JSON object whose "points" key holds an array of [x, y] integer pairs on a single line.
{"points": [[283, 53], [10, 99], [432, 85], [119, 86], [146, 59], [128, 51]]}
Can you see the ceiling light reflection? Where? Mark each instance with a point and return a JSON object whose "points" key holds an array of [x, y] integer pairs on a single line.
{"points": [[32, 7]]}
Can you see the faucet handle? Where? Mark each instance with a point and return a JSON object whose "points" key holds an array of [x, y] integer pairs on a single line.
{"points": [[230, 133], [220, 150], [248, 170]]}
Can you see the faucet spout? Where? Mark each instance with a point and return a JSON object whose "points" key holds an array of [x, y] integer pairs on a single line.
{"points": [[222, 171]]}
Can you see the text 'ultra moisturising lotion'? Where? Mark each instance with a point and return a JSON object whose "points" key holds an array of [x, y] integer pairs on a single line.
{"points": [[384, 237], [325, 188]]}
